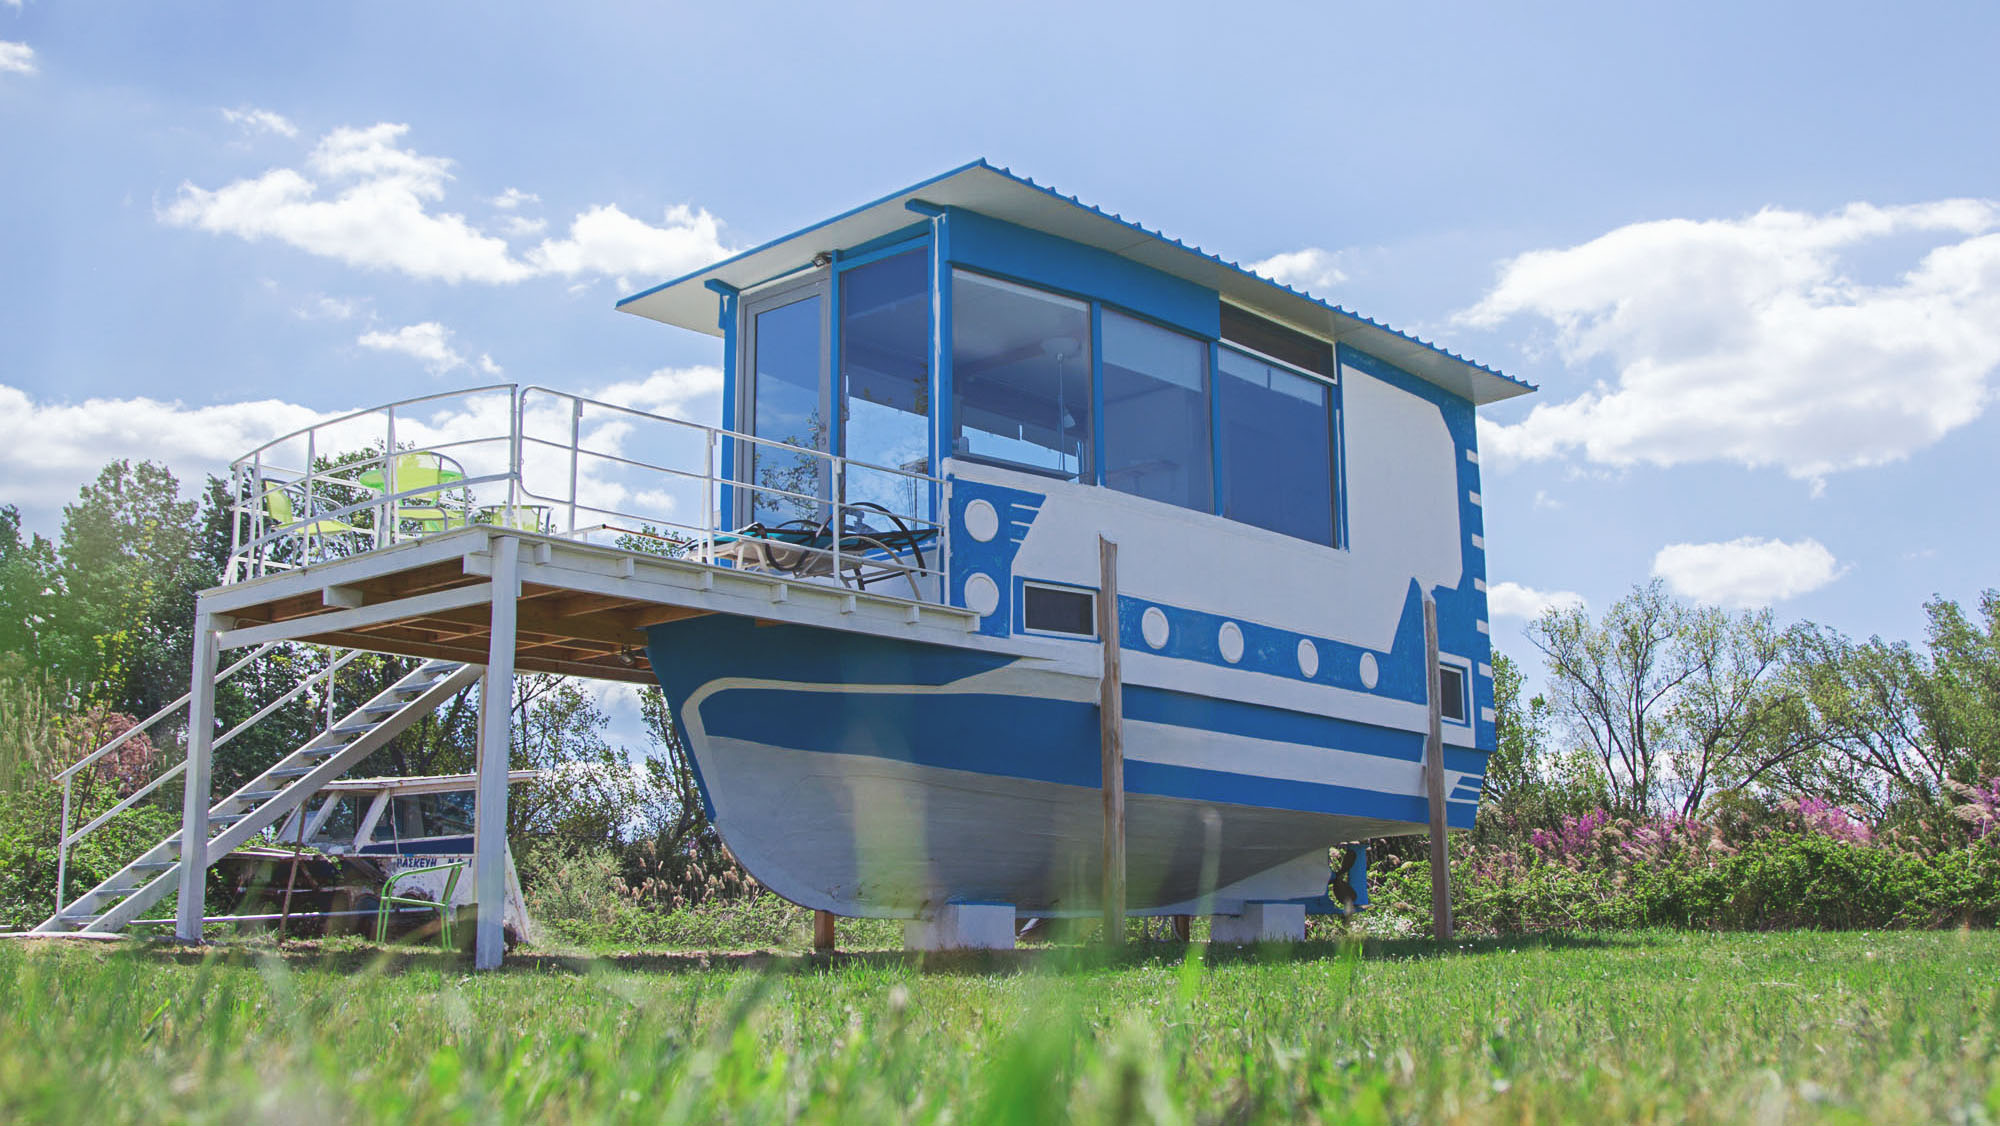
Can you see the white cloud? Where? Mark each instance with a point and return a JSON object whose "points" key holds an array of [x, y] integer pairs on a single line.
{"points": [[1752, 341], [49, 450], [16, 57], [520, 226], [429, 342], [324, 308], [692, 393], [377, 216], [487, 365], [1512, 600], [364, 199], [254, 121], [1312, 269], [605, 240], [1746, 572]]}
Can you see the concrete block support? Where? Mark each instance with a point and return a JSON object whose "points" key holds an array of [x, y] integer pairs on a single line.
{"points": [[1260, 922], [963, 926]]}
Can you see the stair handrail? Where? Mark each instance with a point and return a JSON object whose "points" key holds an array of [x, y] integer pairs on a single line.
{"points": [[68, 839]]}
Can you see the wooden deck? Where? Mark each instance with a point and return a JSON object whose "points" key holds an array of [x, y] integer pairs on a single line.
{"points": [[581, 608]]}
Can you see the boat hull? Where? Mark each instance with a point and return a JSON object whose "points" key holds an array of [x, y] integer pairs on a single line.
{"points": [[872, 776]]}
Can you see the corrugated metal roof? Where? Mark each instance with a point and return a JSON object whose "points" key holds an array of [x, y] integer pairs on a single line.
{"points": [[1000, 194]]}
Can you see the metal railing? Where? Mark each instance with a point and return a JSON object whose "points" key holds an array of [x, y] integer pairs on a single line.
{"points": [[67, 840], [533, 459]]}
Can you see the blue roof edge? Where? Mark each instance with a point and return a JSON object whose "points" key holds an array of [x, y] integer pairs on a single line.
{"points": [[1115, 217]]}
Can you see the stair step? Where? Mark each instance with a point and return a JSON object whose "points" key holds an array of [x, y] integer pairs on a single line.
{"points": [[438, 666], [153, 865], [417, 689], [384, 709], [83, 919], [225, 818], [258, 795], [355, 728], [289, 771], [329, 749]]}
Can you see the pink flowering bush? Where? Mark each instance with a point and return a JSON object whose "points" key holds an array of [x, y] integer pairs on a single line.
{"points": [[1979, 808], [1803, 863], [1821, 816]]}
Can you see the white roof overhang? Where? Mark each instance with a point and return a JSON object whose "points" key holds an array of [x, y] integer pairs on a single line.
{"points": [[690, 303]]}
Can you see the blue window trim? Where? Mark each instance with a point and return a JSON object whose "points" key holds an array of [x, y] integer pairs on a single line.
{"points": [[1215, 424], [1097, 391]]}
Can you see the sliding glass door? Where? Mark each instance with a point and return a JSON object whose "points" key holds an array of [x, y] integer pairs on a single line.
{"points": [[786, 401]]}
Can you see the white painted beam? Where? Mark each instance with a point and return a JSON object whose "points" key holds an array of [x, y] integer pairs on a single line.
{"points": [[496, 710]]}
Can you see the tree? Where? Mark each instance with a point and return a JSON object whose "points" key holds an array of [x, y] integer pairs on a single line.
{"points": [[1735, 719], [126, 549], [27, 567], [1907, 723], [1611, 683]]}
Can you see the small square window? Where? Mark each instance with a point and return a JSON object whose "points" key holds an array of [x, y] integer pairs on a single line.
{"points": [[1055, 609], [1451, 693]]}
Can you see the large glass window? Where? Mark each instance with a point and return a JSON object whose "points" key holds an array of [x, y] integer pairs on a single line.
{"points": [[1156, 413], [786, 407], [1276, 447], [885, 378], [1020, 377]]}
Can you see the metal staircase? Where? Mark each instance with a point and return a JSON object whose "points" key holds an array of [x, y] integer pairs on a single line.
{"points": [[263, 800]]}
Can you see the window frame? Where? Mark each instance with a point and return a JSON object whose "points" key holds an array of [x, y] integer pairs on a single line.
{"points": [[1089, 592], [1098, 310], [1464, 671], [817, 282], [1336, 448], [1090, 469]]}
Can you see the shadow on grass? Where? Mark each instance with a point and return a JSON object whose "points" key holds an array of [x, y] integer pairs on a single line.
{"points": [[354, 957]]}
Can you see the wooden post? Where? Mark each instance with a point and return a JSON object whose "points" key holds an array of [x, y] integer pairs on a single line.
{"points": [[194, 800], [1111, 739], [496, 720], [1434, 779], [825, 934]]}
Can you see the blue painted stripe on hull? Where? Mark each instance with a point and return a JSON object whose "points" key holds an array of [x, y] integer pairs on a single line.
{"points": [[1042, 740], [1257, 721], [1038, 741], [1195, 784]]}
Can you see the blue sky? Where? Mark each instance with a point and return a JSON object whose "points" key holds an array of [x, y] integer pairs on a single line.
{"points": [[1751, 256]]}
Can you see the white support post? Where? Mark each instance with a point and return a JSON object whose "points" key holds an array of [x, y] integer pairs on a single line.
{"points": [[496, 707], [194, 805]]}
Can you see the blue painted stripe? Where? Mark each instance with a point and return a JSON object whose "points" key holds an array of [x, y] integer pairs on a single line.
{"points": [[1195, 784], [1256, 721]]}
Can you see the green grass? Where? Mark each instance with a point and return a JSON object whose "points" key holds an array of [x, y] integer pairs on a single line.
{"points": [[1644, 1027]]}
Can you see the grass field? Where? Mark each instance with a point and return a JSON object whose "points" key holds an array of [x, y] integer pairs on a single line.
{"points": [[1649, 1027]]}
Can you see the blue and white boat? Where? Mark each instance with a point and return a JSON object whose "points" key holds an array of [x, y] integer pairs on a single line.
{"points": [[950, 394]]}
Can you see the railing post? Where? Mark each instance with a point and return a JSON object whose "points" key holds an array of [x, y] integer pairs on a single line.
{"points": [[710, 518], [575, 447], [312, 525], [62, 847], [257, 520], [517, 419], [194, 803], [235, 520], [385, 529]]}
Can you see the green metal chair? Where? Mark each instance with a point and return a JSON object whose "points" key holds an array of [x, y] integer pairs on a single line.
{"points": [[278, 506], [427, 509], [447, 914]]}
